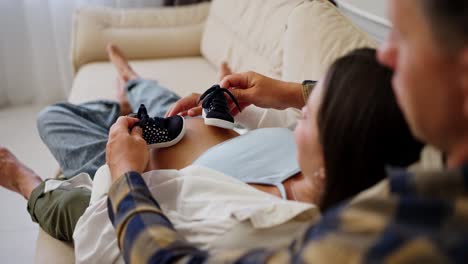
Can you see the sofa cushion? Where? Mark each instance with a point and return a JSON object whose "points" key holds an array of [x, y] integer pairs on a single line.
{"points": [[149, 33], [51, 250], [247, 34], [318, 33], [181, 75]]}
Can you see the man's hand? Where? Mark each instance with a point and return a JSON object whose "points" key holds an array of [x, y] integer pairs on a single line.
{"points": [[126, 151]]}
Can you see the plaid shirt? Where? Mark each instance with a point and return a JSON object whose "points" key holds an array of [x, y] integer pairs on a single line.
{"points": [[424, 219]]}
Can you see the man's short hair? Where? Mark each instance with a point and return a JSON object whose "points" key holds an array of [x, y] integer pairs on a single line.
{"points": [[449, 20]]}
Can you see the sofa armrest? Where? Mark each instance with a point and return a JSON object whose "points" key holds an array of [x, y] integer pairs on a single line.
{"points": [[142, 33]]}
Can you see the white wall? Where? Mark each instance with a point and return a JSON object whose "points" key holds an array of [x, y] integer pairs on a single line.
{"points": [[376, 7], [16, 54], [3, 98], [370, 15], [35, 40]]}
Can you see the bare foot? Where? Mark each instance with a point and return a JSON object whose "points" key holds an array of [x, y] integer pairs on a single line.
{"points": [[224, 70], [125, 107], [15, 176], [117, 57]]}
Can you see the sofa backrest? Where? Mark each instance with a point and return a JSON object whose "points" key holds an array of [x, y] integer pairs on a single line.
{"points": [[289, 39], [318, 33], [150, 33], [248, 34]]}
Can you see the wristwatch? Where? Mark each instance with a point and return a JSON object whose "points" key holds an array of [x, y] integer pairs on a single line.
{"points": [[307, 87]]}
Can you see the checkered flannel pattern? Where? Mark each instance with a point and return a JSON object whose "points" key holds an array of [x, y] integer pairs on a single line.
{"points": [[424, 219]]}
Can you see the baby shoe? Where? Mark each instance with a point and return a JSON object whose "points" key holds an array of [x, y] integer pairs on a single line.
{"points": [[160, 132], [215, 107]]}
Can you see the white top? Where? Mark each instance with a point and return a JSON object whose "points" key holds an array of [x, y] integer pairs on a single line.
{"points": [[369, 15], [254, 117], [209, 208], [203, 205]]}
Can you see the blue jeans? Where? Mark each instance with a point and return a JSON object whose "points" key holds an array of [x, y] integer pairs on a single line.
{"points": [[77, 134], [77, 137]]}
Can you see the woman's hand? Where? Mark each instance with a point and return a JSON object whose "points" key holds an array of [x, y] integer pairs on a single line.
{"points": [[248, 88], [126, 151], [186, 106], [254, 88]]}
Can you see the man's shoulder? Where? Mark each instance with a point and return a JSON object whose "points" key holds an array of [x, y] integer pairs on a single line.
{"points": [[422, 214], [429, 184]]}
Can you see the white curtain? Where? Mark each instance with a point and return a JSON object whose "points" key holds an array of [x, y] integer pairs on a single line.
{"points": [[34, 47]]}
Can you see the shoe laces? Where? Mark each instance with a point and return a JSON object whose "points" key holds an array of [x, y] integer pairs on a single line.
{"points": [[215, 97], [145, 119]]}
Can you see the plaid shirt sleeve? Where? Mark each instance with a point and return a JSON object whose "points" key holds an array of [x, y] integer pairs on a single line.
{"points": [[378, 229]]}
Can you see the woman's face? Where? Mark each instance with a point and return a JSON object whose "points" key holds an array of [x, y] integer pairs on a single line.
{"points": [[310, 154]]}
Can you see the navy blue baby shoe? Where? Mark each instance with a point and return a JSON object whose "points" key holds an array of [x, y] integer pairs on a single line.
{"points": [[215, 107], [160, 132]]}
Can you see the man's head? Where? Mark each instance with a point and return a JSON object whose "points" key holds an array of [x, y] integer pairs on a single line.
{"points": [[449, 20], [428, 49]]}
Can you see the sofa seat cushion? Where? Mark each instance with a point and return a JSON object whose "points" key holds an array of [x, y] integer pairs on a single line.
{"points": [[51, 250], [181, 75]]}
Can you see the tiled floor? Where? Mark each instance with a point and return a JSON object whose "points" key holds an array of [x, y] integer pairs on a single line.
{"points": [[18, 133]]}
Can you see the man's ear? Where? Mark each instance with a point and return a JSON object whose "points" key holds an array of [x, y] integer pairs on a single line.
{"points": [[464, 79]]}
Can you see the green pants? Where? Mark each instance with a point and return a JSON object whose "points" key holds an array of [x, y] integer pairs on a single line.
{"points": [[58, 211]]}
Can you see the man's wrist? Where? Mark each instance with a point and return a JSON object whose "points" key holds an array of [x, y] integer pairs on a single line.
{"points": [[118, 173]]}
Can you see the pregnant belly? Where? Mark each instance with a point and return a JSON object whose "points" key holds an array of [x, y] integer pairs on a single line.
{"points": [[198, 139]]}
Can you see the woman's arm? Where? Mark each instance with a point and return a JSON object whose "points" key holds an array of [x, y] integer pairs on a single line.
{"points": [[250, 88], [254, 88]]}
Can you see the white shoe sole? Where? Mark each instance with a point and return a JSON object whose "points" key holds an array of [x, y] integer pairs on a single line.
{"points": [[172, 142], [217, 122]]}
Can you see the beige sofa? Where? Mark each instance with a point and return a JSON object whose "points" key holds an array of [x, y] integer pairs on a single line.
{"points": [[182, 48]]}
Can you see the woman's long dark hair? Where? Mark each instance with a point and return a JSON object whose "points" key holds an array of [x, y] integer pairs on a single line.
{"points": [[361, 127]]}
